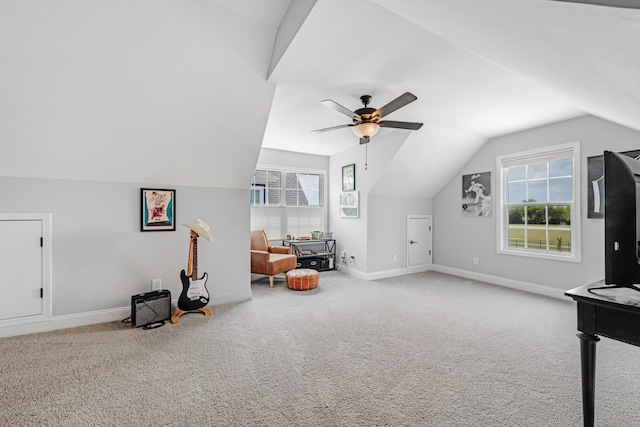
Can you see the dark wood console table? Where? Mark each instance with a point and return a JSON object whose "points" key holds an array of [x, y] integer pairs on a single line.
{"points": [[612, 313]]}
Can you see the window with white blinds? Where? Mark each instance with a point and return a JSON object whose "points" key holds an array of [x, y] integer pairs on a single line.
{"points": [[287, 202]]}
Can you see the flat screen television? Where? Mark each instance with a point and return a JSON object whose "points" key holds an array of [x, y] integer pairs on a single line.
{"points": [[621, 221]]}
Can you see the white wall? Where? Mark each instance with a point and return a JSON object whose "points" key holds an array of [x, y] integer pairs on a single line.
{"points": [[351, 233], [132, 91], [295, 160], [380, 230], [458, 239], [101, 98]]}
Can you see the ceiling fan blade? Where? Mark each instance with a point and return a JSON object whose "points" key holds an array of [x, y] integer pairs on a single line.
{"points": [[339, 108], [332, 128], [399, 102], [400, 125], [628, 4]]}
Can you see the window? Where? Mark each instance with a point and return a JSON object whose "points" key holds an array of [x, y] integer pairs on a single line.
{"points": [[266, 188], [287, 201], [539, 203], [303, 189]]}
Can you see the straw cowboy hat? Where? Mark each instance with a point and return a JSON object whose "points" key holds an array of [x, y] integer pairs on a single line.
{"points": [[200, 227]]}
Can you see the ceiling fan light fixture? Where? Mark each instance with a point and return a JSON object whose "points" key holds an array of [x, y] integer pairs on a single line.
{"points": [[366, 130]]}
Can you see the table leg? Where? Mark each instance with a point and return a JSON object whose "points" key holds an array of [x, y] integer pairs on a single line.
{"points": [[588, 366]]}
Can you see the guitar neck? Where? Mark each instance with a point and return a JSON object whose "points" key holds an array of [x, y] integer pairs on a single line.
{"points": [[194, 261]]}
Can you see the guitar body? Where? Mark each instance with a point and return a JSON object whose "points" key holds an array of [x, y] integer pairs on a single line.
{"points": [[194, 293]]}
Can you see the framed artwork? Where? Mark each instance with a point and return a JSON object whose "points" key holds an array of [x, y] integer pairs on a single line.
{"points": [[595, 186], [349, 204], [158, 211], [349, 177], [476, 194]]}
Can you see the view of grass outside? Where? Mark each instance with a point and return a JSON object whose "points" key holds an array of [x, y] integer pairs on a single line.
{"points": [[540, 227], [559, 237]]}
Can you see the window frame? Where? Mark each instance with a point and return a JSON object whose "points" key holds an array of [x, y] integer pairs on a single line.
{"points": [[544, 154]]}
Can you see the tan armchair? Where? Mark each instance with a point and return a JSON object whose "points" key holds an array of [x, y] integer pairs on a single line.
{"points": [[269, 260]]}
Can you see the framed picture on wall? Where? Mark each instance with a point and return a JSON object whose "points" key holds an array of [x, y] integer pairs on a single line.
{"points": [[158, 212], [476, 194], [349, 177], [349, 204], [595, 186]]}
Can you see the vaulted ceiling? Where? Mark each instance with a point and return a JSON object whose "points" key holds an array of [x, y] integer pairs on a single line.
{"points": [[480, 69], [205, 84]]}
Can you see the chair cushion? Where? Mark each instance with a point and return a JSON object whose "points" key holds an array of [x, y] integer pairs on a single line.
{"points": [[279, 263]]}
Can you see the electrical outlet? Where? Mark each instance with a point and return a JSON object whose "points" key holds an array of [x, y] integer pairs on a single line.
{"points": [[156, 284], [343, 254], [475, 260], [395, 258]]}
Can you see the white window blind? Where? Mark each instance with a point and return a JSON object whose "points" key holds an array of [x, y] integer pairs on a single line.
{"points": [[277, 222]]}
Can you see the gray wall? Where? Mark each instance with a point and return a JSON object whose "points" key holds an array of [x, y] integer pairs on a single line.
{"points": [[387, 229], [100, 257], [458, 239]]}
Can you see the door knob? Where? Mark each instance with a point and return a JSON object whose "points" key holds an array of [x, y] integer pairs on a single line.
{"points": [[412, 242]]}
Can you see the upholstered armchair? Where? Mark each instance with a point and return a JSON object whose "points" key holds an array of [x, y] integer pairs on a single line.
{"points": [[269, 260]]}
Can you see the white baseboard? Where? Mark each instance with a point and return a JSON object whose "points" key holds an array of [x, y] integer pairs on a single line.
{"points": [[67, 321], [386, 273], [98, 316], [501, 281]]}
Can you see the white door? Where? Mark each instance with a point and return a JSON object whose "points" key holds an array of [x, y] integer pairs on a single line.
{"points": [[419, 240], [20, 268]]}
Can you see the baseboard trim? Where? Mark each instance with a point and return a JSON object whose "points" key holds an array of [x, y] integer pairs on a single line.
{"points": [[100, 316], [501, 281], [67, 321], [495, 280], [386, 273]]}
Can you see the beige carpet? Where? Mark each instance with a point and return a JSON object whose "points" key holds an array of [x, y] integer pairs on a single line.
{"points": [[420, 350]]}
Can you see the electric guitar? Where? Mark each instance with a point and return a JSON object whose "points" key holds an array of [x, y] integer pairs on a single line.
{"points": [[194, 293]]}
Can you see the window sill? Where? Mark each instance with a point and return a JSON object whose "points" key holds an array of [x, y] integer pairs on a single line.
{"points": [[542, 255]]}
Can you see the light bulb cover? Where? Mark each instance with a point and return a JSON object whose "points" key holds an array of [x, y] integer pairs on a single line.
{"points": [[366, 130]]}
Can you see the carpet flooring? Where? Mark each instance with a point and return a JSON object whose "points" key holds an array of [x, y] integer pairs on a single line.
{"points": [[426, 349]]}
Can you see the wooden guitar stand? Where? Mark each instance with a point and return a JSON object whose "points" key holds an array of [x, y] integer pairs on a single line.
{"points": [[175, 317]]}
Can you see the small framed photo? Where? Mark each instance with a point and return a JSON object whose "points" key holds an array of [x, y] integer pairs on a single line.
{"points": [[349, 177], [349, 204], [158, 211]]}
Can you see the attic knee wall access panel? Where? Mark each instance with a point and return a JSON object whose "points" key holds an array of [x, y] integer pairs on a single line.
{"points": [[23, 268]]}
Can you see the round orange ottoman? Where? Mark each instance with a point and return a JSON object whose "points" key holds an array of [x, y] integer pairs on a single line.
{"points": [[302, 279]]}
